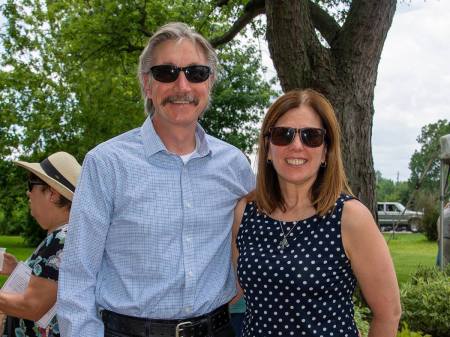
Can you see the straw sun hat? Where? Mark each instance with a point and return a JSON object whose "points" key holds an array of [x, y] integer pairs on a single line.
{"points": [[60, 171]]}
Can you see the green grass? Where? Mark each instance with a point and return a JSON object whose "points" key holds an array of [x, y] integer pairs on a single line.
{"points": [[409, 251]]}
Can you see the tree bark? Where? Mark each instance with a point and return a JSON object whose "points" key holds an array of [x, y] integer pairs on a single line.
{"points": [[345, 72]]}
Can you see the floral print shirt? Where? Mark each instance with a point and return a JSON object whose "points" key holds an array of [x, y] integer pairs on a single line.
{"points": [[44, 262]]}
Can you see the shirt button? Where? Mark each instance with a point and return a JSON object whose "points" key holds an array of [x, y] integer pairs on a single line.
{"points": [[190, 273], [188, 204], [188, 309], [188, 239]]}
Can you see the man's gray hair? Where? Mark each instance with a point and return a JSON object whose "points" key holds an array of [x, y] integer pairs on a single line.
{"points": [[173, 31]]}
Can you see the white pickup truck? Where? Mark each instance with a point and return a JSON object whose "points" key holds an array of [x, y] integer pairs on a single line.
{"points": [[394, 213]]}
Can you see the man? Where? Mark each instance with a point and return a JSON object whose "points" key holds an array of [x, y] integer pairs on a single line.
{"points": [[149, 240], [445, 238]]}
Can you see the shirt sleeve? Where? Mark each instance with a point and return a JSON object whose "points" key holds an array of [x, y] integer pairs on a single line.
{"points": [[90, 219], [246, 175]]}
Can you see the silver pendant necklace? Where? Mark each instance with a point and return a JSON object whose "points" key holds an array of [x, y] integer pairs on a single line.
{"points": [[284, 242]]}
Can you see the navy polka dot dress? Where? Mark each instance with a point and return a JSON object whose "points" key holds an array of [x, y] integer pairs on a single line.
{"points": [[300, 287]]}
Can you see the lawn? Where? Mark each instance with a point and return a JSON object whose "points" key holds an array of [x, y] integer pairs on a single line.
{"points": [[409, 251]]}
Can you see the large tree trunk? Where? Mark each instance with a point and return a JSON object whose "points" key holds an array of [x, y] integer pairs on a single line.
{"points": [[345, 72]]}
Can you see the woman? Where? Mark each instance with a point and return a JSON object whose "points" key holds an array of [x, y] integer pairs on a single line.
{"points": [[51, 186], [302, 241]]}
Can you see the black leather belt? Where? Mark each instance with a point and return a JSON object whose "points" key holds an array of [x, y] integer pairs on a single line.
{"points": [[202, 326]]}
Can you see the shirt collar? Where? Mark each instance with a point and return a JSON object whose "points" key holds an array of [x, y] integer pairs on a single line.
{"points": [[203, 148], [153, 144]]}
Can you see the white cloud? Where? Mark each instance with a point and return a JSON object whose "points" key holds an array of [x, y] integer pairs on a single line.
{"points": [[413, 83]]}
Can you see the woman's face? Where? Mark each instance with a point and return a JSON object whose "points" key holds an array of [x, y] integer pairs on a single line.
{"points": [[297, 163], [39, 202]]}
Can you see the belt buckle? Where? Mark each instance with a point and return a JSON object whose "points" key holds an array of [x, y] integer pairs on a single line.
{"points": [[179, 328]]}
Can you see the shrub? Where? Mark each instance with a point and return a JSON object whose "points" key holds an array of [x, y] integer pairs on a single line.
{"points": [[430, 205], [429, 225], [361, 319], [429, 273], [405, 332], [425, 301]]}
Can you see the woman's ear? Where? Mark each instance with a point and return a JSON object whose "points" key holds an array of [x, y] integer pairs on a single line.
{"points": [[324, 154], [269, 154], [54, 195]]}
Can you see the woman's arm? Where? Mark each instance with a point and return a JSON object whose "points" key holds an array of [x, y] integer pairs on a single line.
{"points": [[34, 303], [238, 213], [373, 268]]}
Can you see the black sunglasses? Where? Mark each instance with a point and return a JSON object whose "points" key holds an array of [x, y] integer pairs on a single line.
{"points": [[32, 183], [282, 136], [167, 73]]}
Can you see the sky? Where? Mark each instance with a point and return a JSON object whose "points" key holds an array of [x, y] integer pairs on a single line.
{"points": [[413, 86], [413, 83]]}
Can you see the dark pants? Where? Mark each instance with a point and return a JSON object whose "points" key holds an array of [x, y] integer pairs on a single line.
{"points": [[237, 321]]}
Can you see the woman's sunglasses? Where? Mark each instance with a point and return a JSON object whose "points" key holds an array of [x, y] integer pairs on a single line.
{"points": [[282, 136], [32, 183], [167, 73]]}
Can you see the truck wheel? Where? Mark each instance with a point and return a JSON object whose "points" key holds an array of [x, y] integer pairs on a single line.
{"points": [[414, 225]]}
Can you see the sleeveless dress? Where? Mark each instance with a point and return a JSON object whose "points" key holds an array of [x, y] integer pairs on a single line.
{"points": [[303, 287]]}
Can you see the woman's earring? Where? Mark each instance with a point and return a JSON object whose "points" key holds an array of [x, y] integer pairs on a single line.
{"points": [[323, 164], [268, 161]]}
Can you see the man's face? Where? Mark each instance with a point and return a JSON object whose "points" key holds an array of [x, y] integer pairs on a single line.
{"points": [[179, 103]]}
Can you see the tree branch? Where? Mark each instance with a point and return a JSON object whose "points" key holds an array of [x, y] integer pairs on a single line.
{"points": [[251, 10], [220, 3], [324, 23], [130, 48], [365, 31], [143, 19], [293, 41]]}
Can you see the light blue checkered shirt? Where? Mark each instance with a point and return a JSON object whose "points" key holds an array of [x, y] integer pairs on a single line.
{"points": [[148, 235]]}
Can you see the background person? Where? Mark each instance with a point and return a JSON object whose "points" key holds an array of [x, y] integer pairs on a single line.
{"points": [[149, 243], [51, 186], [446, 237], [302, 240]]}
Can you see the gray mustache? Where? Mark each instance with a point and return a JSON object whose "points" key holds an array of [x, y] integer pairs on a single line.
{"points": [[188, 98]]}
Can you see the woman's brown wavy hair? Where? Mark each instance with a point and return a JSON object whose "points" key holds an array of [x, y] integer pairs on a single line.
{"points": [[331, 180]]}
